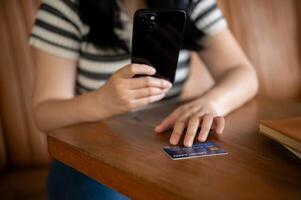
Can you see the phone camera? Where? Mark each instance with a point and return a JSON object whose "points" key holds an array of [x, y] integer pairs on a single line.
{"points": [[142, 19], [152, 26], [153, 17]]}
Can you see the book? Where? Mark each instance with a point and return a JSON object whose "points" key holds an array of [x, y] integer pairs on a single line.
{"points": [[298, 154], [285, 131]]}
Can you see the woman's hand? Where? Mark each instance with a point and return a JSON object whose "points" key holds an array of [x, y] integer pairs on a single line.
{"points": [[191, 116], [123, 93]]}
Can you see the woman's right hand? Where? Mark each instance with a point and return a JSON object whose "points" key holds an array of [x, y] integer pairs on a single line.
{"points": [[123, 93]]}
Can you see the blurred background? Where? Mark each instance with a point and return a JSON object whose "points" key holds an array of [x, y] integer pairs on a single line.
{"points": [[269, 31]]}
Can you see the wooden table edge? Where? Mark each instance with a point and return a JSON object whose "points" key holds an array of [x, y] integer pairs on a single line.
{"points": [[114, 178]]}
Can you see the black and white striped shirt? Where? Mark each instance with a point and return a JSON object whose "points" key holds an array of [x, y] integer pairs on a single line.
{"points": [[59, 30]]}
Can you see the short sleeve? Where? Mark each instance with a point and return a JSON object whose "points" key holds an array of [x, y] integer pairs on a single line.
{"points": [[57, 28], [207, 16]]}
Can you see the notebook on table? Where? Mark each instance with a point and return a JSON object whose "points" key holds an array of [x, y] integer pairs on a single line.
{"points": [[285, 131]]}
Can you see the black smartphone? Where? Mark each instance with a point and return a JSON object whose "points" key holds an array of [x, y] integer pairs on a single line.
{"points": [[157, 38]]}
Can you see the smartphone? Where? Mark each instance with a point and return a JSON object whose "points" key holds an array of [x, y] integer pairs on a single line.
{"points": [[156, 40]]}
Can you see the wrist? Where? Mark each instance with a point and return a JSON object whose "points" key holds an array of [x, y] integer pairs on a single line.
{"points": [[94, 105], [212, 103]]}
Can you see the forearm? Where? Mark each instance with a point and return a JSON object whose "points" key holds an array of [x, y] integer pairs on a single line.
{"points": [[233, 89], [56, 113]]}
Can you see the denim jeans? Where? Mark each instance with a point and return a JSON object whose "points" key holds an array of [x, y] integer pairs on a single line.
{"points": [[64, 183]]}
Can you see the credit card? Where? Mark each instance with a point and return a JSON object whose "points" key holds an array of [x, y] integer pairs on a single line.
{"points": [[196, 150]]}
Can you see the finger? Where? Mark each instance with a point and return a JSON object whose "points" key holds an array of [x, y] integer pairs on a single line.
{"points": [[220, 124], [192, 128], [147, 100], [180, 113], [177, 132], [206, 126], [131, 70], [167, 122], [148, 81], [146, 92]]}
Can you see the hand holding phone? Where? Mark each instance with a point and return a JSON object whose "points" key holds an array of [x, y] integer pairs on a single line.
{"points": [[123, 93]]}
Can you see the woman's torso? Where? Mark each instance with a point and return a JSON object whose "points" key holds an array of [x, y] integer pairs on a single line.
{"points": [[59, 30], [96, 65]]}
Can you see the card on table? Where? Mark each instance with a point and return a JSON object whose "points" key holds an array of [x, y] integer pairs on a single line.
{"points": [[196, 150]]}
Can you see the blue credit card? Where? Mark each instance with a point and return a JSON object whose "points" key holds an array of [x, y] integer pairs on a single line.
{"points": [[196, 150]]}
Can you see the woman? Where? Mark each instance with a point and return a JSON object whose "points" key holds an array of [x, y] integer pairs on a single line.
{"points": [[81, 49]]}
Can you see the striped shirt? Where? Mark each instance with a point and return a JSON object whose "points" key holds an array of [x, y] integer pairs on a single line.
{"points": [[59, 30]]}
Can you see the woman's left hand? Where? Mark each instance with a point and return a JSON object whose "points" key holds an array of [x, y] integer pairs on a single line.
{"points": [[191, 116]]}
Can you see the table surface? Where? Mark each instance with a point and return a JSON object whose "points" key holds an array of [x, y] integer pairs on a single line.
{"points": [[127, 156]]}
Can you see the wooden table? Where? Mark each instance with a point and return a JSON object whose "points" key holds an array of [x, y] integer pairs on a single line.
{"points": [[133, 163]]}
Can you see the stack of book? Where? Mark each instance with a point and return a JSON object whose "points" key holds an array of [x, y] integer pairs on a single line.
{"points": [[285, 131]]}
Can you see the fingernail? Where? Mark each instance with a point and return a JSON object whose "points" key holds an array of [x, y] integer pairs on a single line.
{"points": [[220, 131], [150, 68], [202, 139], [173, 141], [167, 84], [188, 144], [153, 70], [159, 127]]}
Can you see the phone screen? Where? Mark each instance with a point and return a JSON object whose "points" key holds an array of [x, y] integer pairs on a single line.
{"points": [[157, 38]]}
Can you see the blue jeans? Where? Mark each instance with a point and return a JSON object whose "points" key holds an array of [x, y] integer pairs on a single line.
{"points": [[64, 183]]}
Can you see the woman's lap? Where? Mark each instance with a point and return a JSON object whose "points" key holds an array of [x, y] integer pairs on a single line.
{"points": [[64, 182]]}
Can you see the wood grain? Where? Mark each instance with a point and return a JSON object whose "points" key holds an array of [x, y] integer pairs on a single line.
{"points": [[269, 32], [126, 155], [24, 142], [3, 157]]}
